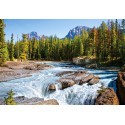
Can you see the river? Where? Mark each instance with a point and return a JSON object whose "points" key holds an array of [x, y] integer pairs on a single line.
{"points": [[37, 85]]}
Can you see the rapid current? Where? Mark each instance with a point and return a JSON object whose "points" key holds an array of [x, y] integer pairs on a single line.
{"points": [[37, 85]]}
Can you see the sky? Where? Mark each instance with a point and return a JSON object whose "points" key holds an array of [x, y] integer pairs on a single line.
{"points": [[47, 27]]}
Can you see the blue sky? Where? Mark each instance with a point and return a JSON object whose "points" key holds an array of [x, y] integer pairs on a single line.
{"points": [[47, 27]]}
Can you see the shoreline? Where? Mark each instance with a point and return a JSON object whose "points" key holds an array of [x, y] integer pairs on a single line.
{"points": [[16, 70]]}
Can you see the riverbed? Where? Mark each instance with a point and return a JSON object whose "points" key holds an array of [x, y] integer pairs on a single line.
{"points": [[37, 85]]}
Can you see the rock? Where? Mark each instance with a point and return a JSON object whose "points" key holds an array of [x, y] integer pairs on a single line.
{"points": [[64, 73], [80, 76], [48, 102], [94, 80], [86, 79], [30, 67], [91, 66], [76, 75], [34, 66], [123, 76], [21, 100], [52, 87], [84, 60], [66, 83], [107, 97], [121, 87], [71, 78], [42, 66]]}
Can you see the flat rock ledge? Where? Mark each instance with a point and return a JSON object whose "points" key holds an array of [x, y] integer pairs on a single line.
{"points": [[21, 100], [48, 102], [14, 70]]}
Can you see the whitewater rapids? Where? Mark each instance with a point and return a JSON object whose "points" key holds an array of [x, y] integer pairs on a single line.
{"points": [[37, 85]]}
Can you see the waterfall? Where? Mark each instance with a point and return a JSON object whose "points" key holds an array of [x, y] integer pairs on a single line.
{"points": [[37, 85]]}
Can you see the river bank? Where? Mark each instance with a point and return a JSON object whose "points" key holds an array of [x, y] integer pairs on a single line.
{"points": [[14, 70], [65, 82]]}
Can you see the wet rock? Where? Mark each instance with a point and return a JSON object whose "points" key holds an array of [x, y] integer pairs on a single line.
{"points": [[64, 73], [20, 98], [30, 67], [80, 76], [77, 76], [48, 102], [34, 66], [94, 80], [42, 66], [52, 87], [123, 76], [86, 79], [91, 66], [121, 87], [66, 83], [107, 97]]}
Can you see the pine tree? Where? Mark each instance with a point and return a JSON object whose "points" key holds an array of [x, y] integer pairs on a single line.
{"points": [[11, 54], [123, 25], [29, 49], [80, 48], [113, 40], [3, 45], [122, 41], [34, 48], [24, 48], [38, 55], [10, 100], [16, 50]]}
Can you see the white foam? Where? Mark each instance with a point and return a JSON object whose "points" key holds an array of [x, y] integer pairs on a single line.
{"points": [[37, 85]]}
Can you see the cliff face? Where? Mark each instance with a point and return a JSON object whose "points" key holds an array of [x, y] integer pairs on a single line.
{"points": [[107, 97], [121, 87]]}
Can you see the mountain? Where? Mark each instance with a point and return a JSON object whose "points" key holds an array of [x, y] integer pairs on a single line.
{"points": [[71, 34], [76, 31], [33, 35]]}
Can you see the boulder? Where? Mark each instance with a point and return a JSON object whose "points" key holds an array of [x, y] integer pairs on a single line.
{"points": [[121, 87], [86, 79], [91, 66], [52, 87], [80, 76], [42, 66], [94, 80], [66, 83], [77, 75], [34, 66], [64, 73], [48, 102], [84, 60], [30, 67], [107, 97]]}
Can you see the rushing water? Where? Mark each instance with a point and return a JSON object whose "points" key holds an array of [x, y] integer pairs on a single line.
{"points": [[37, 85]]}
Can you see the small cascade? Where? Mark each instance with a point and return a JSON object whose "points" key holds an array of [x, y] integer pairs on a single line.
{"points": [[58, 86], [37, 85]]}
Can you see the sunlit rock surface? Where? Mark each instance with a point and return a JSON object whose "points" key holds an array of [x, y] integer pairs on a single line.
{"points": [[121, 87], [107, 97]]}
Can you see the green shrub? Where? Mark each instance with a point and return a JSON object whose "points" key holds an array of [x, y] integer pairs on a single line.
{"points": [[10, 100], [102, 89]]}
